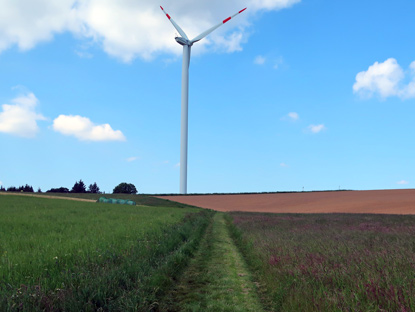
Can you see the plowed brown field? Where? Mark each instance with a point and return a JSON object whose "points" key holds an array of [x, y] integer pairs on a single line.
{"points": [[380, 201]]}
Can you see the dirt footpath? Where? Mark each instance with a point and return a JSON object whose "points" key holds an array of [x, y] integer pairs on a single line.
{"points": [[380, 201]]}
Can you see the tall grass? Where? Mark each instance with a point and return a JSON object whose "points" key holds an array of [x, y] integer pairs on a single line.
{"points": [[75, 256], [332, 262]]}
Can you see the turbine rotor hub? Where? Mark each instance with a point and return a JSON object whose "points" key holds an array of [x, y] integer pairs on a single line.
{"points": [[183, 41]]}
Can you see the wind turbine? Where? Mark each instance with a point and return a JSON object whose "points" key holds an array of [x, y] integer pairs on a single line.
{"points": [[187, 45]]}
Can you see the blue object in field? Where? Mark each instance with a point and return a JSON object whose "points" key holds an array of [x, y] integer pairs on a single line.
{"points": [[116, 201]]}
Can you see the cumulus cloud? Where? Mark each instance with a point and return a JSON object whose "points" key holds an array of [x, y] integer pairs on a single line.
{"points": [[27, 22], [386, 79], [316, 128], [402, 182], [230, 43], [85, 130], [128, 29], [20, 118]]}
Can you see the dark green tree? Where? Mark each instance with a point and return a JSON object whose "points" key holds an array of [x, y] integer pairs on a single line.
{"points": [[58, 190], [93, 188], [26, 188], [125, 188], [79, 187]]}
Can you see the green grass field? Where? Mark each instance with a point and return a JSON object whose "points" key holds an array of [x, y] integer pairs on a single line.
{"points": [[65, 255], [78, 256]]}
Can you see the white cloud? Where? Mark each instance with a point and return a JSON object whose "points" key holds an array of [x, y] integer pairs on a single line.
{"points": [[20, 118], [316, 128], [229, 44], [128, 29], [1, 183], [409, 89], [28, 22], [85, 130], [284, 165], [177, 165], [271, 4], [259, 60], [385, 79], [402, 182], [293, 116], [276, 62], [134, 158]]}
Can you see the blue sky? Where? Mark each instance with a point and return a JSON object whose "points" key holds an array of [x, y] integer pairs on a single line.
{"points": [[289, 94]]}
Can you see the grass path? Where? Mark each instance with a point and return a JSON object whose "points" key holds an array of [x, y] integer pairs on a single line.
{"points": [[217, 278]]}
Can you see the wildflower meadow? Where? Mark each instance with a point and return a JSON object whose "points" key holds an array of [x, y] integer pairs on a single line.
{"points": [[330, 262]]}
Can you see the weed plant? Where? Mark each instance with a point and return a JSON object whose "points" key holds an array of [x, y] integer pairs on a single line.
{"points": [[330, 262], [59, 255]]}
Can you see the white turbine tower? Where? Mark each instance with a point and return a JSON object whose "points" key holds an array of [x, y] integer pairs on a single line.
{"points": [[187, 45]]}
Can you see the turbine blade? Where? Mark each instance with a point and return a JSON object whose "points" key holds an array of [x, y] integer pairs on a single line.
{"points": [[181, 32], [207, 32]]}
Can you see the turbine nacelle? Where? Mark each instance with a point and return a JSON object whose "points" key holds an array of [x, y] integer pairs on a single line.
{"points": [[183, 41]]}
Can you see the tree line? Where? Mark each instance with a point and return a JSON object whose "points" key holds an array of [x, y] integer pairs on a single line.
{"points": [[26, 188], [78, 187]]}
